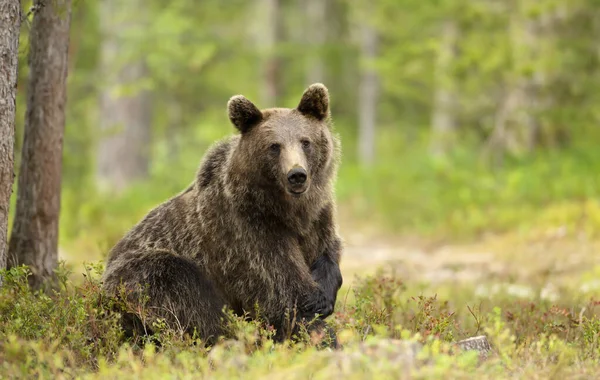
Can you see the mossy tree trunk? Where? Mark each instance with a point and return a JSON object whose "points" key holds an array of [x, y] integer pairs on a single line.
{"points": [[34, 237], [10, 21]]}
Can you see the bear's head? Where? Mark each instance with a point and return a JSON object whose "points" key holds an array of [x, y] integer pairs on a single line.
{"points": [[291, 151]]}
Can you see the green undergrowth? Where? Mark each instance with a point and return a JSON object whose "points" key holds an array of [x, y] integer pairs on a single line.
{"points": [[70, 332], [464, 195]]}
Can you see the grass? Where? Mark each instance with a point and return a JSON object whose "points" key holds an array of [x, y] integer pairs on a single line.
{"points": [[69, 333]]}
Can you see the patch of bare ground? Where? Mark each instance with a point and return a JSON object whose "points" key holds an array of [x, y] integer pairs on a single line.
{"points": [[536, 259]]}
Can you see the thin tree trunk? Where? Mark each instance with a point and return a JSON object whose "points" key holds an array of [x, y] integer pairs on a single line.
{"points": [[34, 237], [529, 85], [316, 33], [443, 121], [500, 137], [10, 21], [123, 154], [269, 38], [367, 98], [517, 128]]}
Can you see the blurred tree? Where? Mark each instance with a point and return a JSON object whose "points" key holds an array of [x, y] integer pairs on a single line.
{"points": [[316, 22], [517, 122], [269, 38], [537, 79], [409, 32], [443, 121], [368, 96], [123, 153], [34, 237], [10, 21]]}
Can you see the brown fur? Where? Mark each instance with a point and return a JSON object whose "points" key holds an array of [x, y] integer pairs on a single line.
{"points": [[238, 236]]}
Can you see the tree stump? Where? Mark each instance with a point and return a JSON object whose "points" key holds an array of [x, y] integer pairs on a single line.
{"points": [[477, 343]]}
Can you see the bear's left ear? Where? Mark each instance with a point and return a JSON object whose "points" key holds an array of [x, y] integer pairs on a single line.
{"points": [[315, 101], [243, 113]]}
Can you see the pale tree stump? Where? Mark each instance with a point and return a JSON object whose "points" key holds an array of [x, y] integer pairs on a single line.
{"points": [[477, 343]]}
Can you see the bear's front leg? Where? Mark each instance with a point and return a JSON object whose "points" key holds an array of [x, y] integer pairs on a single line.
{"points": [[326, 272]]}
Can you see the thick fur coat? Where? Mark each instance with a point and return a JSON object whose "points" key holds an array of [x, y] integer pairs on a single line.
{"points": [[256, 228]]}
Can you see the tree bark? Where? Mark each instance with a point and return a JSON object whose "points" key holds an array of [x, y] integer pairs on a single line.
{"points": [[10, 22], [367, 97], [123, 154], [34, 237], [443, 120]]}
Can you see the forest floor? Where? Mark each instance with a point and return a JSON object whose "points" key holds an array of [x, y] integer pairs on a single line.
{"points": [[552, 259], [533, 295]]}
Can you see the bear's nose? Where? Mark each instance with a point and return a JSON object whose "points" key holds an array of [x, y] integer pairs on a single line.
{"points": [[297, 176]]}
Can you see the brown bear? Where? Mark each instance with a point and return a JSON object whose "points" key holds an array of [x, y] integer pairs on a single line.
{"points": [[256, 228]]}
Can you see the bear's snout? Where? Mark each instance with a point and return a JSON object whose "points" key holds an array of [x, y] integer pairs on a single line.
{"points": [[297, 179], [297, 176]]}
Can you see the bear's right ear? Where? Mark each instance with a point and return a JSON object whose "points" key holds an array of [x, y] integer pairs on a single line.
{"points": [[243, 113]]}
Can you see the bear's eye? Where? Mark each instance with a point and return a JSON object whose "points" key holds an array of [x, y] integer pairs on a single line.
{"points": [[305, 144], [275, 148]]}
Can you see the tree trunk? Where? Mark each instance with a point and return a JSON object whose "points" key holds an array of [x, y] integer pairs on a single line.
{"points": [[34, 237], [517, 127], [526, 42], [315, 34], [443, 121], [269, 38], [367, 97], [123, 154], [10, 21]]}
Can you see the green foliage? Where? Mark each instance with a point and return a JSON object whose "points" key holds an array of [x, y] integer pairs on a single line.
{"points": [[380, 308], [71, 332], [50, 331], [198, 55], [463, 197]]}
